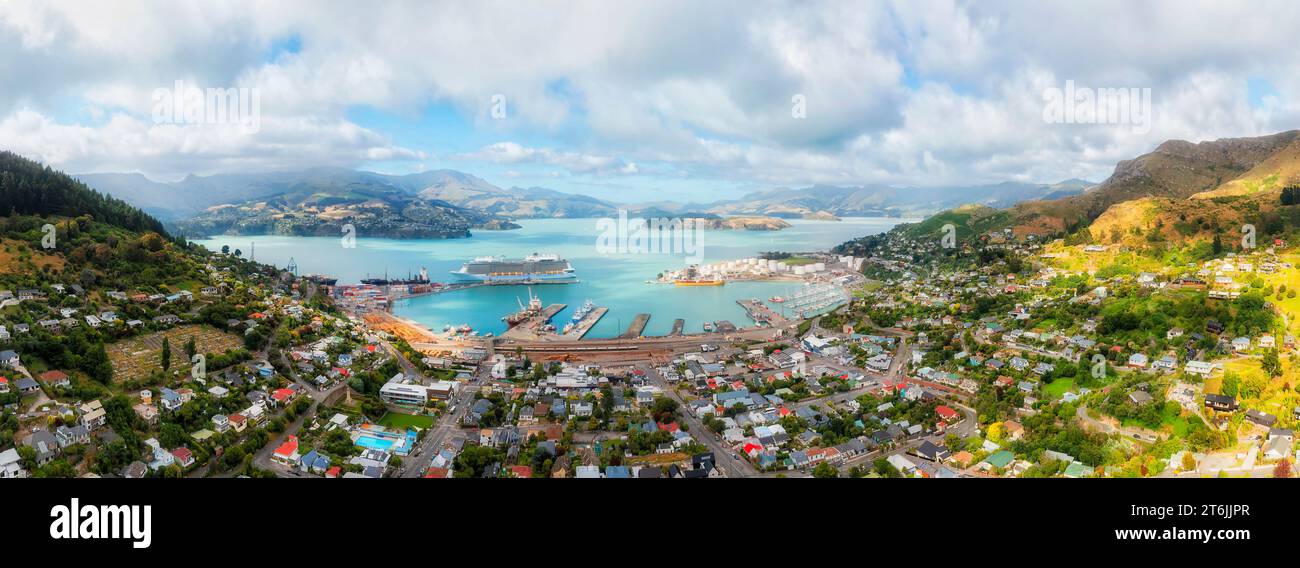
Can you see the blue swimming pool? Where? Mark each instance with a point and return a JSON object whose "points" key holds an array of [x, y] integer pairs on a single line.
{"points": [[373, 443], [400, 447]]}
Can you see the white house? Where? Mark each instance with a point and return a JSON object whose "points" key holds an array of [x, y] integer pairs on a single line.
{"points": [[1201, 368]]}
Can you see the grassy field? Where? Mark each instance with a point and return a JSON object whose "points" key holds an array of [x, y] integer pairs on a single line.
{"points": [[401, 421], [1057, 388], [1176, 424]]}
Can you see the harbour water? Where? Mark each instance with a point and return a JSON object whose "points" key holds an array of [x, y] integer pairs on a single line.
{"points": [[617, 281]]}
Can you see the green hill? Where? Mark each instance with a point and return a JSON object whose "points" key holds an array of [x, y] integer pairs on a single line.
{"points": [[29, 188]]}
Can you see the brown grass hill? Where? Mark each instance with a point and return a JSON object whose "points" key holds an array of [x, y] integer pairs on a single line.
{"points": [[1176, 170], [1252, 197]]}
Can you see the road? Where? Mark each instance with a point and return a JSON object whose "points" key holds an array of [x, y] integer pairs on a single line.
{"points": [[723, 457], [417, 462]]}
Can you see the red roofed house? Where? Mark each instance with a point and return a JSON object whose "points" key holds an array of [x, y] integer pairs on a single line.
{"points": [[333, 472], [287, 453], [4, 385], [282, 396], [183, 456], [752, 449], [238, 421], [55, 378], [521, 471], [947, 414], [436, 473]]}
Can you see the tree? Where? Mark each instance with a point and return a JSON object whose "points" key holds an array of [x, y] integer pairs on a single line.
{"points": [[1189, 462], [1283, 469], [1291, 195], [166, 354], [825, 471], [1271, 364], [225, 249]]}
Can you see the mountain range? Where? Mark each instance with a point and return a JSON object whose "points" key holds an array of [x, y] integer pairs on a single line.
{"points": [[315, 201]]}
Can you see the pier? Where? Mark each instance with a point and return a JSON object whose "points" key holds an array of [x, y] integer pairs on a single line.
{"points": [[760, 313], [581, 328], [678, 325], [531, 328], [638, 326]]}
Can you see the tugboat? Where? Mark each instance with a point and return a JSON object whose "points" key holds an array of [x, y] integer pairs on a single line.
{"points": [[776, 299]]}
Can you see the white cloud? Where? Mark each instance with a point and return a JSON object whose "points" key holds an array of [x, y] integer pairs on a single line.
{"points": [[912, 91]]}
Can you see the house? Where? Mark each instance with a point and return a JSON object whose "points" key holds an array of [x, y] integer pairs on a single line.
{"points": [[314, 462], [136, 470], [1201, 368], [93, 416], [11, 465], [1000, 459], [947, 414], [1241, 344], [902, 464], [931, 451], [1139, 397], [287, 453], [1279, 444], [55, 379], [1166, 363], [1221, 403], [161, 457], [147, 412], [1138, 361], [71, 435], [183, 456], [237, 421], [1261, 418], [171, 400], [45, 445], [27, 386], [4, 385], [9, 358], [1013, 430]]}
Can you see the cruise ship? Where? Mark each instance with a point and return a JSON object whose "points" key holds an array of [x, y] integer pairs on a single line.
{"points": [[532, 269]]}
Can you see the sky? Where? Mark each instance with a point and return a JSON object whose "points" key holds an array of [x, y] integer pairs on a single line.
{"points": [[639, 100]]}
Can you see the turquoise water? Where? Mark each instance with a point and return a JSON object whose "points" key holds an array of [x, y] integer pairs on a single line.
{"points": [[372, 443], [616, 281]]}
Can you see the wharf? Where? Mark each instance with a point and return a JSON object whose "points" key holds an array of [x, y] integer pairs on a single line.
{"points": [[531, 328], [582, 327], [760, 313], [638, 326]]}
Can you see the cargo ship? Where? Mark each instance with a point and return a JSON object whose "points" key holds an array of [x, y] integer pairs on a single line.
{"points": [[524, 313], [322, 279], [699, 282], [532, 269], [422, 278]]}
